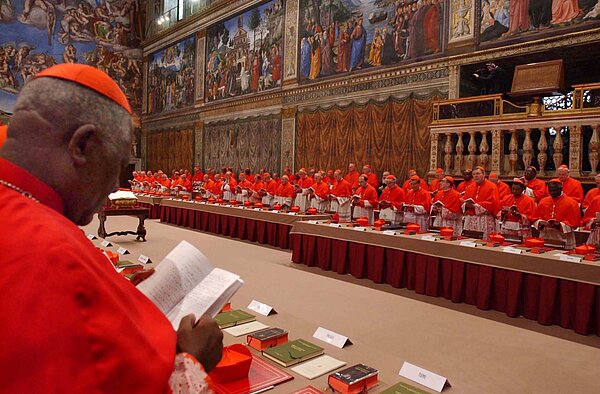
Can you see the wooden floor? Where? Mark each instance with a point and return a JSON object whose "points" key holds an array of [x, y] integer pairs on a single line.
{"points": [[478, 351]]}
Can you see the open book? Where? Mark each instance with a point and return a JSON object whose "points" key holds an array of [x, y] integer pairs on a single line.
{"points": [[185, 282]]}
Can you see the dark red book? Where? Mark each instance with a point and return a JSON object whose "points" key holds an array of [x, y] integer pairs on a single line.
{"points": [[260, 376]]}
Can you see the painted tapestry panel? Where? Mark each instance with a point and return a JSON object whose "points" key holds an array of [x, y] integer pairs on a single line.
{"points": [[171, 77], [532, 19], [36, 34], [339, 36], [244, 53]]}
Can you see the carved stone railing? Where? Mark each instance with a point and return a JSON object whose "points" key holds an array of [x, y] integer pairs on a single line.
{"points": [[506, 138]]}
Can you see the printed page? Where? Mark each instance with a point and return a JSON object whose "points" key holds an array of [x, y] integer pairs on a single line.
{"points": [[208, 296], [181, 271]]}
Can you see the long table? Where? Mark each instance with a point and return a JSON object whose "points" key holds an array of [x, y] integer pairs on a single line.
{"points": [[255, 225], [538, 287], [151, 202]]}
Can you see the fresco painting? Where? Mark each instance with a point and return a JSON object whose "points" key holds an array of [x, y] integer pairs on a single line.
{"points": [[339, 36], [37, 34], [171, 77], [244, 54], [502, 19]]}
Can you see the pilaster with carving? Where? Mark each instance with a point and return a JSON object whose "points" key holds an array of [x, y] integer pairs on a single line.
{"points": [[199, 144], [527, 149], [144, 84], [288, 138], [513, 149], [496, 150], [434, 153], [291, 39], [454, 82], [200, 56], [472, 149], [575, 151]]}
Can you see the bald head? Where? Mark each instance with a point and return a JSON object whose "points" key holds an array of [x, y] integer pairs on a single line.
{"points": [[74, 139]]}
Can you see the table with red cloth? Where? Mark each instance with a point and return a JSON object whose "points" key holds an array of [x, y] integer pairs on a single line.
{"points": [[150, 202], [252, 224], [536, 286]]}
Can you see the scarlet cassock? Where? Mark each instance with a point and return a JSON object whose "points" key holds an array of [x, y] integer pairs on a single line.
{"points": [[565, 212], [319, 196], [341, 194], [390, 202], [516, 214], [366, 202], [481, 217], [447, 208], [417, 204], [302, 193]]}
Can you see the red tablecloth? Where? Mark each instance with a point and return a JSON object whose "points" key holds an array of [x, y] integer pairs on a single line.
{"points": [[548, 300], [268, 233]]}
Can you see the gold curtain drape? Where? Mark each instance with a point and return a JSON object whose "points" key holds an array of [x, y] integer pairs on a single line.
{"points": [[390, 136], [168, 150], [254, 143]]}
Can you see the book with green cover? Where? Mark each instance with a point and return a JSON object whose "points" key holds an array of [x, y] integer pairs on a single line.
{"points": [[293, 352], [233, 318], [403, 388]]}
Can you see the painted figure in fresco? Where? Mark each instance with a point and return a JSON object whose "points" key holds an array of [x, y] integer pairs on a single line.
{"points": [[389, 54], [376, 49], [244, 76], [564, 11], [6, 10], [315, 56], [431, 26], [326, 55], [359, 42], [593, 12], [343, 50], [255, 71], [519, 16], [499, 10], [69, 54], [48, 9], [276, 72], [305, 58], [6, 76]]}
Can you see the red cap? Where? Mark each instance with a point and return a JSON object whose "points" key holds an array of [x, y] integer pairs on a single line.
{"points": [[3, 132], [449, 178], [519, 180], [439, 171], [493, 175], [563, 167], [554, 180], [480, 168], [89, 77], [266, 174], [302, 169], [367, 166], [415, 178], [390, 178]]}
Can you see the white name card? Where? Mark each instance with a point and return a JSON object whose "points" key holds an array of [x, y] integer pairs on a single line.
{"points": [[122, 251], [229, 205], [389, 232], [428, 238], [144, 259], [105, 244], [469, 244], [335, 225], [261, 308], [313, 221], [91, 236], [572, 259], [422, 376], [333, 338], [292, 213], [256, 209], [360, 228], [510, 249]]}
